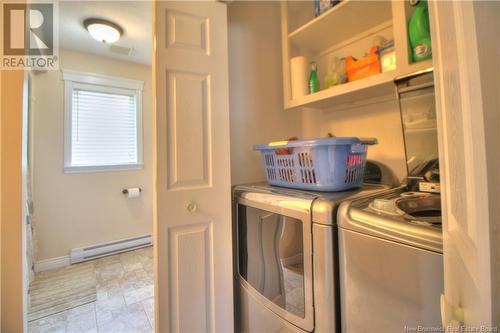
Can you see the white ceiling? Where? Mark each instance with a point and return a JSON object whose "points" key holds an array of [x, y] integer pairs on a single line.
{"points": [[133, 16]]}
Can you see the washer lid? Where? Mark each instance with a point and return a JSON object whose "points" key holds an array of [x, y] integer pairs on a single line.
{"points": [[358, 216]]}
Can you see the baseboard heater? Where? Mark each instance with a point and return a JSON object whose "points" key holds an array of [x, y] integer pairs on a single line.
{"points": [[100, 250]]}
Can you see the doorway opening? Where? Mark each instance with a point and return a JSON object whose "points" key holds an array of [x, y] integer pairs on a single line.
{"points": [[89, 181]]}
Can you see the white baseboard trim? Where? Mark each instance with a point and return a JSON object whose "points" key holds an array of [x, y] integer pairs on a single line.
{"points": [[105, 249], [94, 251], [47, 264]]}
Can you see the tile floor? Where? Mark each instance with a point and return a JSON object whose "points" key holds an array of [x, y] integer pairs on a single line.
{"points": [[124, 299]]}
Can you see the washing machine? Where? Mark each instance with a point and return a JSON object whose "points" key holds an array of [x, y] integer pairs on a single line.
{"points": [[391, 247], [391, 262]]}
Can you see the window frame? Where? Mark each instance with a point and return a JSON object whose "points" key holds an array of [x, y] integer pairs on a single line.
{"points": [[104, 84]]}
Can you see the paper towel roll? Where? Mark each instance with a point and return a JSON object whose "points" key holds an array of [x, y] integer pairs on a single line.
{"points": [[133, 192], [299, 76]]}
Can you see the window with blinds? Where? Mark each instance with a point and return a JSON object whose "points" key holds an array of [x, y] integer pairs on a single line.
{"points": [[103, 126]]}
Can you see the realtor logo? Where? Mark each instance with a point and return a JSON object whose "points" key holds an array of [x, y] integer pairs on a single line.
{"points": [[29, 36]]}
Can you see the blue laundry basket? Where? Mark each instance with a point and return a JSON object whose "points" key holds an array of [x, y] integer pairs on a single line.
{"points": [[328, 164]]}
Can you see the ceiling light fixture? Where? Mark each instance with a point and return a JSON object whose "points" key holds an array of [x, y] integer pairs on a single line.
{"points": [[102, 30]]}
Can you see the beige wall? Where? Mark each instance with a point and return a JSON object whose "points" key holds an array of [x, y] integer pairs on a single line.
{"points": [[255, 86], [256, 101], [79, 209], [379, 120], [11, 211]]}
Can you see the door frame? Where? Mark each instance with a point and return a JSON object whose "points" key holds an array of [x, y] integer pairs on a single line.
{"points": [[13, 295]]}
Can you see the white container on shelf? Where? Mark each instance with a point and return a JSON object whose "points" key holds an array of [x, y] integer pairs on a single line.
{"points": [[299, 76]]}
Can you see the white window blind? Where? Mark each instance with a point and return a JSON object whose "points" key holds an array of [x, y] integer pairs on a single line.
{"points": [[104, 126], [104, 129]]}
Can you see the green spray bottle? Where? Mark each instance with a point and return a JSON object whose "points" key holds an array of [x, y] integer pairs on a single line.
{"points": [[419, 31], [313, 77]]}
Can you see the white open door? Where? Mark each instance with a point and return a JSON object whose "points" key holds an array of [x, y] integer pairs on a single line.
{"points": [[466, 49], [193, 228]]}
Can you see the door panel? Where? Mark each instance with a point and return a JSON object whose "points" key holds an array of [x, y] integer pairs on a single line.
{"points": [[189, 130], [187, 31], [191, 273], [193, 227], [460, 93]]}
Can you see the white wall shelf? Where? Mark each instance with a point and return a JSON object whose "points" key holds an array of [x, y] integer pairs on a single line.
{"points": [[341, 22], [346, 29], [371, 87]]}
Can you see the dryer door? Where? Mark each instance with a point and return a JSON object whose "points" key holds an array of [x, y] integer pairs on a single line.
{"points": [[275, 260]]}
